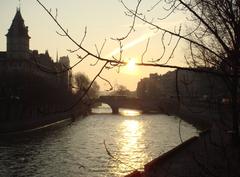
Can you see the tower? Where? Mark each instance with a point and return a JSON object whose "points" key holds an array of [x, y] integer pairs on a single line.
{"points": [[18, 38], [66, 76]]}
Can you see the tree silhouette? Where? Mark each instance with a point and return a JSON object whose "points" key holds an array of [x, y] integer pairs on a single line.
{"points": [[211, 33], [82, 82]]}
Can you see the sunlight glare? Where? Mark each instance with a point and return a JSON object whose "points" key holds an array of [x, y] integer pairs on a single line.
{"points": [[129, 112], [131, 64], [133, 43], [132, 126], [132, 131], [131, 68]]}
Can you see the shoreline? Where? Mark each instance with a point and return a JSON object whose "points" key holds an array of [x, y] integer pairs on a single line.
{"points": [[40, 121], [191, 157]]}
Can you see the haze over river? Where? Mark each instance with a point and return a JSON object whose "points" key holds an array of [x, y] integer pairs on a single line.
{"points": [[77, 150]]}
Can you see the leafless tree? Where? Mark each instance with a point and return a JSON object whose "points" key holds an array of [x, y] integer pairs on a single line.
{"points": [[107, 63], [121, 90], [82, 82], [211, 31]]}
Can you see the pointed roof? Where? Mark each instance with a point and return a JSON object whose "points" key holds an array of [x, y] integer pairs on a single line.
{"points": [[18, 27]]}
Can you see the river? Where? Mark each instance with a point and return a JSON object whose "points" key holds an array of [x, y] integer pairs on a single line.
{"points": [[98, 145]]}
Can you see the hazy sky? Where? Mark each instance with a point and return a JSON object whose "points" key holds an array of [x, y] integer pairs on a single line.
{"points": [[104, 19]]}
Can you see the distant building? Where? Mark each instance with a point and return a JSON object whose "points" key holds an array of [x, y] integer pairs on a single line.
{"points": [[18, 38], [32, 83], [19, 57], [190, 85]]}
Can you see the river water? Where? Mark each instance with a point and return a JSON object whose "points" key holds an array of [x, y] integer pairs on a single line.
{"points": [[98, 145]]}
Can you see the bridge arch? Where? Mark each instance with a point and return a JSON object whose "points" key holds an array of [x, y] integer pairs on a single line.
{"points": [[115, 110], [116, 102]]}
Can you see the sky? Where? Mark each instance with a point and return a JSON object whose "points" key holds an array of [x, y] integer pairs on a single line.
{"points": [[104, 20]]}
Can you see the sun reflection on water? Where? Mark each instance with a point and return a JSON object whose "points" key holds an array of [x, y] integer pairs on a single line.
{"points": [[132, 132], [129, 112], [131, 146]]}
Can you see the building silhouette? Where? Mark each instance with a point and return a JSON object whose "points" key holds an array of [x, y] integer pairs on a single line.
{"points": [[19, 56], [18, 38], [191, 85], [31, 82]]}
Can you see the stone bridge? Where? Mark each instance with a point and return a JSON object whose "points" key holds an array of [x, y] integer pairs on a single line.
{"points": [[116, 102]]}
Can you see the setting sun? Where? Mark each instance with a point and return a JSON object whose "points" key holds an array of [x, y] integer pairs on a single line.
{"points": [[131, 64], [130, 68]]}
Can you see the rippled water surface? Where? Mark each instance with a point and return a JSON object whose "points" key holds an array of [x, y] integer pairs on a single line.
{"points": [[78, 149]]}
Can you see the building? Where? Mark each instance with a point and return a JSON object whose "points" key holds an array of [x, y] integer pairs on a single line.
{"points": [[31, 82], [191, 85], [19, 56]]}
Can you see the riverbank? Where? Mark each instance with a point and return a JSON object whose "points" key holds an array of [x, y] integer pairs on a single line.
{"points": [[200, 115], [200, 156], [41, 120], [212, 153]]}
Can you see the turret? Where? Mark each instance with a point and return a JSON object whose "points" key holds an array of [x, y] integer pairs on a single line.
{"points": [[66, 76], [18, 38]]}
